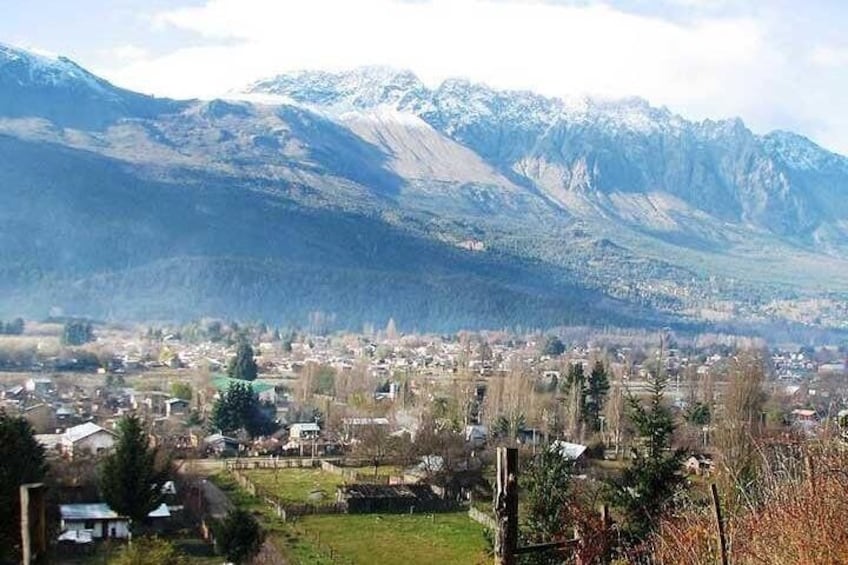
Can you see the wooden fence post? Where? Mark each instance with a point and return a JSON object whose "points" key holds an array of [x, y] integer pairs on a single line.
{"points": [[722, 542], [506, 506]]}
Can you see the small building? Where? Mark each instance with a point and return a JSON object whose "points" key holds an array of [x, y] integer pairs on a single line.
{"points": [[88, 437], [476, 434], [41, 417], [176, 407], [85, 437], [368, 498], [39, 386], [571, 451], [221, 445], [352, 426], [100, 521], [304, 431], [699, 465]]}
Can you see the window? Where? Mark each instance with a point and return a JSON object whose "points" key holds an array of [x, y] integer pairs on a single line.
{"points": [[89, 524]]}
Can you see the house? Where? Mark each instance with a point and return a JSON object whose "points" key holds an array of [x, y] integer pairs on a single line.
{"points": [[40, 386], [304, 432], [476, 435], [176, 407], [571, 451], [41, 417], [698, 465], [352, 426], [14, 393], [85, 437], [221, 445], [101, 521]]}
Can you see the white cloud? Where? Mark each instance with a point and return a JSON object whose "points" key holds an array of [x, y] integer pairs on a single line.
{"points": [[129, 53], [706, 67]]}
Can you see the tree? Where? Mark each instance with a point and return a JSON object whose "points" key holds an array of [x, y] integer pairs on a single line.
{"points": [[132, 476], [546, 481], [15, 327], [239, 536], [739, 426], [649, 483], [21, 462], [149, 551], [376, 444], [77, 332], [239, 408], [243, 365], [698, 414], [574, 387], [553, 347], [181, 390], [595, 396]]}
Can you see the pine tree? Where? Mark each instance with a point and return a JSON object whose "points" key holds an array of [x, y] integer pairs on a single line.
{"points": [[77, 332], [243, 365], [546, 481], [239, 408], [132, 475], [648, 485]]}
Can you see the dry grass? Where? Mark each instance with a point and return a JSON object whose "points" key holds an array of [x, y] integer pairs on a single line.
{"points": [[800, 518]]}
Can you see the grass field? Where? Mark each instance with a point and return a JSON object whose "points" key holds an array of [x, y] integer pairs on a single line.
{"points": [[358, 538], [400, 539], [296, 485]]}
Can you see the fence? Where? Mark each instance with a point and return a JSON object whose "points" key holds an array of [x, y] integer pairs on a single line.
{"points": [[482, 518], [286, 510], [272, 463], [354, 475]]}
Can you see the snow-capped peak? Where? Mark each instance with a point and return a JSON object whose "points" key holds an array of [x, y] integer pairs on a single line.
{"points": [[27, 67], [456, 99]]}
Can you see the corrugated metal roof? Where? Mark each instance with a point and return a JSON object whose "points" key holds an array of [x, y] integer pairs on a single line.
{"points": [[101, 511]]}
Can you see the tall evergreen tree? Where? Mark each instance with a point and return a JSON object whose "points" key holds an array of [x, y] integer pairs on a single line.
{"points": [[648, 485], [547, 483], [77, 332], [131, 477], [243, 365], [239, 408], [21, 462]]}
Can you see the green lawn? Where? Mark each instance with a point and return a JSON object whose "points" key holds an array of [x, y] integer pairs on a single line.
{"points": [[295, 485], [401, 539], [386, 539]]}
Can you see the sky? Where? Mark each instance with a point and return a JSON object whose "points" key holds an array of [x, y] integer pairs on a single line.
{"points": [[777, 64]]}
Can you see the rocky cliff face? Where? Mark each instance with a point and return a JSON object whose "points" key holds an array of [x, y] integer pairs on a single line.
{"points": [[370, 195]]}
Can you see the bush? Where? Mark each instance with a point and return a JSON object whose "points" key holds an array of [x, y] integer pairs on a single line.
{"points": [[239, 536], [149, 551]]}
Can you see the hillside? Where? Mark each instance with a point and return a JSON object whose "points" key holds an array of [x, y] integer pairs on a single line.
{"points": [[367, 195]]}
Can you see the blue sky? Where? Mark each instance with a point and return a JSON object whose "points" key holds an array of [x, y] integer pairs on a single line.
{"points": [[777, 64]]}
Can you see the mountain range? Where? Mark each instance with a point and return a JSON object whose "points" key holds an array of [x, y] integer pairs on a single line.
{"points": [[365, 195]]}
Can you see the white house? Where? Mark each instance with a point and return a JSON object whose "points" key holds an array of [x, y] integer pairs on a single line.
{"points": [[572, 451], [304, 431], [85, 437], [100, 521]]}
